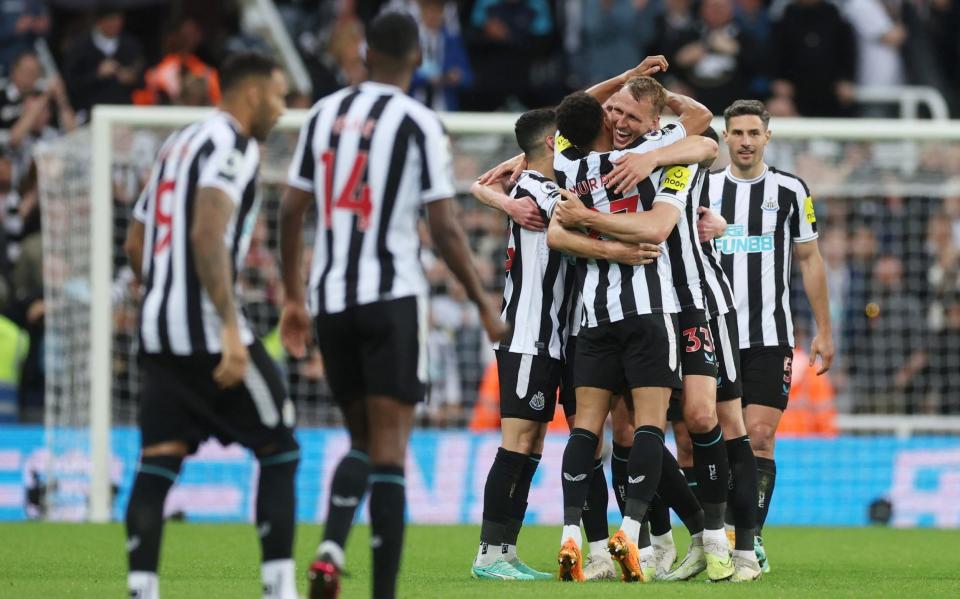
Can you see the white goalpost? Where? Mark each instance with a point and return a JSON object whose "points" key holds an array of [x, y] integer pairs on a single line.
{"points": [[80, 216]]}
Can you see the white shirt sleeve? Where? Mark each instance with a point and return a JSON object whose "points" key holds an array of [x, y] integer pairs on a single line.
{"points": [[230, 167], [303, 163], [437, 176]]}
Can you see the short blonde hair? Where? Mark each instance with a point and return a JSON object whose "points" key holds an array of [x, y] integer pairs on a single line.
{"points": [[647, 87]]}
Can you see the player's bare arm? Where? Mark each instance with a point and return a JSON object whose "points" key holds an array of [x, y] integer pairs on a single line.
{"points": [[509, 169], [632, 168], [577, 244], [451, 244], [294, 320], [693, 115], [523, 211], [211, 214], [650, 66], [133, 247], [815, 284], [649, 226]]}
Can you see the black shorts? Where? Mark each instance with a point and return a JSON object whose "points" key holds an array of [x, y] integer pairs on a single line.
{"points": [[699, 356], [375, 349], [179, 401], [767, 372], [726, 338], [641, 351], [528, 385], [568, 392]]}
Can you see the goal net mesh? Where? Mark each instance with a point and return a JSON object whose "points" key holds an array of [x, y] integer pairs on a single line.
{"points": [[889, 216]]}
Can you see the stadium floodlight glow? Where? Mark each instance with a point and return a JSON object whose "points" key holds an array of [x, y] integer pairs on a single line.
{"points": [[80, 381]]}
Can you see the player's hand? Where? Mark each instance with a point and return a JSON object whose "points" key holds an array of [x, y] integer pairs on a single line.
{"points": [[496, 329], [822, 345], [650, 66], [525, 213], [295, 329], [508, 168], [710, 225], [629, 170], [571, 212], [233, 363], [633, 254]]}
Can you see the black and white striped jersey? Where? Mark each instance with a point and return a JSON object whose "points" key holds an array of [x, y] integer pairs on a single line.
{"points": [[765, 217], [697, 275], [609, 300], [177, 314], [372, 156], [534, 293]]}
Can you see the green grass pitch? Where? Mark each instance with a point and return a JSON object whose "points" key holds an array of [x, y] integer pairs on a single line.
{"points": [[210, 561]]}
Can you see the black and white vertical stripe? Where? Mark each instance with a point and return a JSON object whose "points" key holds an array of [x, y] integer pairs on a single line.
{"points": [[372, 156], [765, 217], [535, 291], [177, 315]]}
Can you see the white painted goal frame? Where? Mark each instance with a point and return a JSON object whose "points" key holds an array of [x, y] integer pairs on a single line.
{"points": [[105, 118]]}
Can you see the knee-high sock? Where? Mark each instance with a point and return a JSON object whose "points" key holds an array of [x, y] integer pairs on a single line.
{"points": [[499, 496], [577, 473], [521, 492], [144, 520], [347, 489], [595, 511], [677, 491], [713, 473], [643, 477], [387, 518], [618, 471], [276, 504], [766, 477], [743, 492]]}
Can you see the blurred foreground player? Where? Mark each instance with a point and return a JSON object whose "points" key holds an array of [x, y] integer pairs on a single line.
{"points": [[204, 372], [371, 158]]}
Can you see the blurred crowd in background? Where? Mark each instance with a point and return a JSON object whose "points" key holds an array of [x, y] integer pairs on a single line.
{"points": [[889, 212]]}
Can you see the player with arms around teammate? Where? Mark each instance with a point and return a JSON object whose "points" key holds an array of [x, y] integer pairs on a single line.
{"points": [[371, 158], [771, 219], [629, 337], [204, 373], [536, 301]]}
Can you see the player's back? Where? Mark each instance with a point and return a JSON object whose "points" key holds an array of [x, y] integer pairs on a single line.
{"points": [[177, 315], [372, 156]]}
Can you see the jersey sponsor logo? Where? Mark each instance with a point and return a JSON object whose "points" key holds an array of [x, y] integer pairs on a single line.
{"points": [[808, 210], [677, 178], [770, 204], [537, 402], [736, 241], [561, 143]]}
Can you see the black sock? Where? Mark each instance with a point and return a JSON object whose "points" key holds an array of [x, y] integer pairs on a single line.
{"points": [[618, 470], [155, 476], [577, 472], [676, 492], [690, 477], [643, 470], [276, 504], [387, 507], [595, 510], [346, 492], [643, 539], [766, 477], [659, 513], [743, 491], [713, 474], [519, 499], [498, 495]]}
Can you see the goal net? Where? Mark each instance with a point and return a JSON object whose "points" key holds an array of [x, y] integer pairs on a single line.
{"points": [[888, 206]]}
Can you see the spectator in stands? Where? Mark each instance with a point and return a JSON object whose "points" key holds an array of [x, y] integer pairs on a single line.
{"points": [[22, 22], [105, 66], [753, 17], [880, 38], [505, 38], [814, 60], [673, 28], [720, 60], [260, 281], [609, 43], [37, 123], [888, 353], [444, 70], [943, 271], [178, 77], [945, 358], [21, 214]]}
